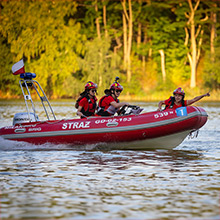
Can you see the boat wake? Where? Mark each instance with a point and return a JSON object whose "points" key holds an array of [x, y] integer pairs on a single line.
{"points": [[8, 145]]}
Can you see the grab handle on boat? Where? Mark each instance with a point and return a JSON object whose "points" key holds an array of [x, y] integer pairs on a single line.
{"points": [[112, 123]]}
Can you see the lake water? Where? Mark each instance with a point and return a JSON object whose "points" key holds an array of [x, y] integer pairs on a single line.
{"points": [[58, 182]]}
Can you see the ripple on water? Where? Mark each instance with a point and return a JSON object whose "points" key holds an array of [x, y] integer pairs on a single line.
{"points": [[57, 181]]}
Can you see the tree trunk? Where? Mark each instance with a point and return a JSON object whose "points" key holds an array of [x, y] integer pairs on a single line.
{"points": [[130, 25], [193, 54], [163, 64], [127, 22], [139, 35], [213, 33], [100, 72], [144, 57], [125, 41], [97, 21], [193, 46], [104, 19]]}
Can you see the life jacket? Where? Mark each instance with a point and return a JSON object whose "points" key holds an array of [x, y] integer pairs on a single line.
{"points": [[171, 102], [106, 110], [91, 105]]}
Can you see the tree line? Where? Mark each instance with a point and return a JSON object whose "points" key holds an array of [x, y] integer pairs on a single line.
{"points": [[152, 45]]}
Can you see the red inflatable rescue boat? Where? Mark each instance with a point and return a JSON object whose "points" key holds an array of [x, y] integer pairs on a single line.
{"points": [[166, 129], [148, 130]]}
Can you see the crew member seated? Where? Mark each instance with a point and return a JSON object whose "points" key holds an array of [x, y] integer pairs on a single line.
{"points": [[177, 100], [109, 104], [86, 103]]}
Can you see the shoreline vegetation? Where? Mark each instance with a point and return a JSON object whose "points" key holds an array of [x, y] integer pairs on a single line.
{"points": [[153, 97], [153, 46]]}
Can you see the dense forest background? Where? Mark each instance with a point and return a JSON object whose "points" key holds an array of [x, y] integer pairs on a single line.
{"points": [[154, 46]]}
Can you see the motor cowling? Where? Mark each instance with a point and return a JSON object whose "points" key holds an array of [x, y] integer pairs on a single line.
{"points": [[22, 117]]}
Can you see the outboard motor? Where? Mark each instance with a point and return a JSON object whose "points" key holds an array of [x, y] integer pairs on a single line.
{"points": [[22, 117]]}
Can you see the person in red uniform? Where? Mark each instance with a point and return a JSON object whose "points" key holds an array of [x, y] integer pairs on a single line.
{"points": [[86, 103], [177, 100], [109, 104]]}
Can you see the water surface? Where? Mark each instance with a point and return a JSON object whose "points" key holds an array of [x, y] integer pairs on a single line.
{"points": [[57, 181]]}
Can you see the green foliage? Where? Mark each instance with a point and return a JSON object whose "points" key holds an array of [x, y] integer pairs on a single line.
{"points": [[99, 64], [212, 70], [7, 80], [46, 37], [58, 41]]}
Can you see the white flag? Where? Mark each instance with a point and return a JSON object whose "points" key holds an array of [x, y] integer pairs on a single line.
{"points": [[18, 68]]}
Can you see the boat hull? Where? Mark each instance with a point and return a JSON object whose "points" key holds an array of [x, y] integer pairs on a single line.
{"points": [[164, 129], [163, 142]]}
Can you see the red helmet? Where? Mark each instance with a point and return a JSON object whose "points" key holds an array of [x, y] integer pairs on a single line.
{"points": [[90, 85], [117, 86], [179, 91]]}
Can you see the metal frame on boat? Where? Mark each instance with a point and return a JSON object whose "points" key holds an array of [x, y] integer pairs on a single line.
{"points": [[29, 82]]}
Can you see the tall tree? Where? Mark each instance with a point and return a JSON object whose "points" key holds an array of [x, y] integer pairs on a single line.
{"points": [[127, 35], [98, 61], [55, 37], [163, 69], [194, 53], [105, 17], [213, 18], [97, 20], [211, 70], [163, 33], [46, 36], [141, 20]]}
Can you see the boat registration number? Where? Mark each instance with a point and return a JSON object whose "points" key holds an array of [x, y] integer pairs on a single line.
{"points": [[112, 120], [163, 114]]}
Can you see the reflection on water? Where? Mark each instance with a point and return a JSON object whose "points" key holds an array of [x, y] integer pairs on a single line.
{"points": [[117, 184], [57, 181]]}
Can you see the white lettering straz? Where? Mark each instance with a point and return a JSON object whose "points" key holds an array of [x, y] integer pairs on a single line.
{"points": [[76, 125]]}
